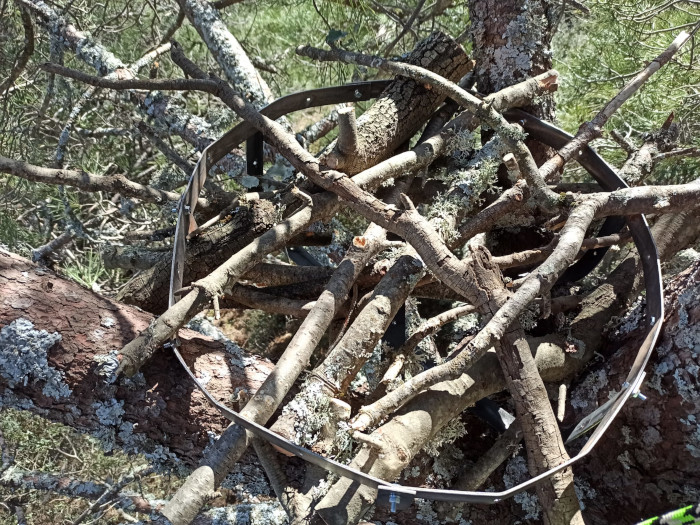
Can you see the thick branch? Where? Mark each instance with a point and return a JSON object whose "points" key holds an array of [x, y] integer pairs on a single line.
{"points": [[190, 498], [227, 51], [142, 348]]}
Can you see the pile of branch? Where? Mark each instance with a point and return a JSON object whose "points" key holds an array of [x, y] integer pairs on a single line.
{"points": [[426, 206]]}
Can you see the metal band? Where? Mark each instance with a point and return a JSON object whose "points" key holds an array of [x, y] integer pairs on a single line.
{"points": [[537, 129]]}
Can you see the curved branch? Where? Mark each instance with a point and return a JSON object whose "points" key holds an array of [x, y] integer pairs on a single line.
{"points": [[25, 54]]}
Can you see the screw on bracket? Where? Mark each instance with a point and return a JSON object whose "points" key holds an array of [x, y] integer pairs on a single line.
{"points": [[394, 499], [637, 385]]}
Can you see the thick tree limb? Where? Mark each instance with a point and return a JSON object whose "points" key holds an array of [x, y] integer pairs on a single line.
{"points": [[401, 110], [169, 414], [149, 289]]}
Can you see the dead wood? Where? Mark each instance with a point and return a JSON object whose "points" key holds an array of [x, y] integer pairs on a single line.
{"points": [[149, 289], [402, 109]]}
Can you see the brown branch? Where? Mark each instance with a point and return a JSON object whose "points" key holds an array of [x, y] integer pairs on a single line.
{"points": [[626, 144], [86, 181], [150, 235], [593, 129], [538, 281], [165, 84], [432, 325], [113, 491], [421, 156], [474, 476], [540, 254], [259, 300], [402, 108], [130, 257], [223, 4], [576, 187], [509, 200], [320, 129], [170, 32], [227, 52], [543, 441], [189, 499], [142, 348], [408, 224], [406, 27], [354, 346], [648, 200], [480, 108], [503, 448], [166, 150], [682, 152], [269, 274], [25, 54]]}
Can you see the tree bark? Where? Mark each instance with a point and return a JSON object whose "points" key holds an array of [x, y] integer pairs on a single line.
{"points": [[512, 40], [403, 107], [149, 289], [653, 447], [159, 407]]}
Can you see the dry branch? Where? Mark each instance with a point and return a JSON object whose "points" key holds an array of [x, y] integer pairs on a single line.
{"points": [[25, 54], [89, 182], [593, 129], [187, 502], [401, 110]]}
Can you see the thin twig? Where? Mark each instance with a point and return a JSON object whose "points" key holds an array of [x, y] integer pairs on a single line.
{"points": [[25, 54]]}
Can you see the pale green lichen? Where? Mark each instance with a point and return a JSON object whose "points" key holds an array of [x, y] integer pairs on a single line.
{"points": [[262, 513], [311, 411], [424, 351], [528, 318], [237, 356], [24, 358], [451, 432], [425, 511], [585, 395], [464, 326], [626, 460], [584, 492], [693, 440], [448, 463], [372, 371], [107, 365], [516, 473]]}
